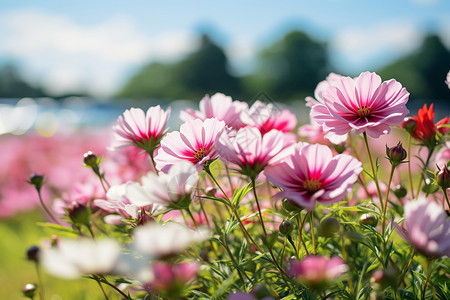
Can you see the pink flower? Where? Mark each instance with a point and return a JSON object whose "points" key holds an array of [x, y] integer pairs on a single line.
{"points": [[248, 149], [317, 270], [170, 190], [195, 142], [443, 156], [218, 106], [143, 130], [426, 227], [266, 117], [447, 80], [169, 278], [320, 88], [364, 104], [311, 174]]}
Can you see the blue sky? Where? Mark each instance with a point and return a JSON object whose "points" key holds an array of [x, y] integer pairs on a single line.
{"points": [[96, 45]]}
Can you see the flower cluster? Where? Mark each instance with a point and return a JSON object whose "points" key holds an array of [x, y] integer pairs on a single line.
{"points": [[239, 204]]}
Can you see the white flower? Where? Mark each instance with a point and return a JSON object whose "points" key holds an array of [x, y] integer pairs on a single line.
{"points": [[165, 189], [157, 241], [81, 257]]}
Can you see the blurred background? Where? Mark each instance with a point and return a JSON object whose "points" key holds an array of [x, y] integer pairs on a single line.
{"points": [[68, 69]]}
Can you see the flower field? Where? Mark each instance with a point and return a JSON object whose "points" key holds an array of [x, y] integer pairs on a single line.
{"points": [[242, 201]]}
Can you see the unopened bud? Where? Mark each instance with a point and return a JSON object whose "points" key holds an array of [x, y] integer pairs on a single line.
{"points": [[33, 253], [400, 191], [91, 160], [79, 214], [285, 227], [396, 154], [289, 206], [37, 180], [29, 290], [368, 219], [443, 178], [54, 241], [329, 227], [409, 124], [429, 187]]}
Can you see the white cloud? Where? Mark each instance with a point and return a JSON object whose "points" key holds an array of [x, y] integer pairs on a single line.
{"points": [[361, 45], [65, 56]]}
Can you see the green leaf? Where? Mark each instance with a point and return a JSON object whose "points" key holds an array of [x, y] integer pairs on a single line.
{"points": [[58, 228], [239, 194]]}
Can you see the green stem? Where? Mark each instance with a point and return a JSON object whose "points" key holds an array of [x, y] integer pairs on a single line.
{"points": [[269, 246], [47, 210], [386, 200], [374, 173], [301, 225], [41, 282], [312, 232], [428, 278], [233, 209], [114, 287], [409, 167], [103, 290], [425, 167], [444, 191]]}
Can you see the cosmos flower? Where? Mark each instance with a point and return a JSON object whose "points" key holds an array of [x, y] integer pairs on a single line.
{"points": [[426, 228], [311, 174], [363, 104], [447, 80], [217, 106], [140, 129], [156, 241], [195, 142], [173, 189], [266, 117], [170, 278], [248, 149], [81, 257], [317, 270], [425, 129]]}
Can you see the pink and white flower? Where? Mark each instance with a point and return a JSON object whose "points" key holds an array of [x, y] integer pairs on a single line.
{"points": [[217, 106], [266, 117], [81, 257], [311, 174], [156, 241], [248, 150], [426, 227], [171, 276], [170, 190], [140, 129], [317, 270], [195, 142], [363, 104]]}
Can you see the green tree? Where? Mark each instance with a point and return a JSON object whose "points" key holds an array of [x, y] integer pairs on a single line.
{"points": [[203, 71], [12, 85], [291, 67], [423, 72]]}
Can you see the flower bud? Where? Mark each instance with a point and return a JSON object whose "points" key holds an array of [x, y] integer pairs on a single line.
{"points": [[79, 214], [33, 253], [409, 124], [443, 178], [54, 241], [429, 187], [368, 219], [396, 154], [400, 191], [285, 227], [289, 206], [29, 290], [37, 180], [91, 160], [329, 227]]}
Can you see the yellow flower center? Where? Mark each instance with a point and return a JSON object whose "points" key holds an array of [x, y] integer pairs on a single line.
{"points": [[200, 154], [363, 111], [312, 185]]}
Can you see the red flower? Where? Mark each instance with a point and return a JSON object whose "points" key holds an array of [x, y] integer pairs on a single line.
{"points": [[425, 129]]}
